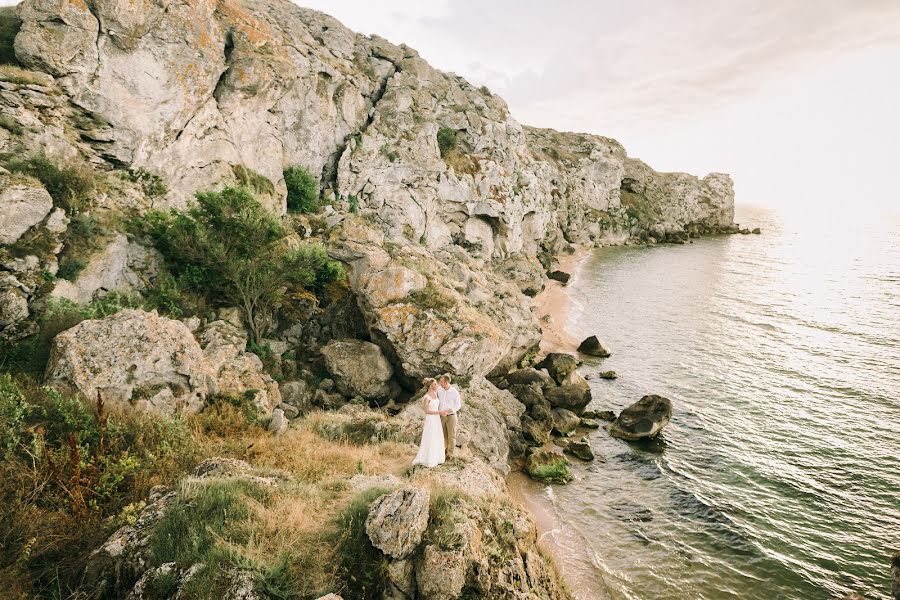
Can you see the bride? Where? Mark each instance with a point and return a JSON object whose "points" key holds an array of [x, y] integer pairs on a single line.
{"points": [[431, 448]]}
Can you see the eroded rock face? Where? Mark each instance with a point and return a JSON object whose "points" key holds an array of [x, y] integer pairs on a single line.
{"points": [[397, 521], [643, 419], [132, 357], [123, 266], [23, 204], [141, 359], [191, 90], [360, 369], [558, 365]]}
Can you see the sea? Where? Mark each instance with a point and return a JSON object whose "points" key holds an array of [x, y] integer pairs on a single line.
{"points": [[779, 474]]}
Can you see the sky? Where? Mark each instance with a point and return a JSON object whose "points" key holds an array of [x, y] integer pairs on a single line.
{"points": [[796, 99]]}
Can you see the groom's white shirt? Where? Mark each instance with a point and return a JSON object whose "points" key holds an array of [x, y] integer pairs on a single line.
{"points": [[449, 399]]}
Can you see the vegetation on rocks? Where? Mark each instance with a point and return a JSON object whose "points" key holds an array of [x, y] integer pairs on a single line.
{"points": [[228, 248], [302, 190], [9, 27], [72, 185]]}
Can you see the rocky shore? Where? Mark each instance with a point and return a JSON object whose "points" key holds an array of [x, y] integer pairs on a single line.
{"points": [[246, 226]]}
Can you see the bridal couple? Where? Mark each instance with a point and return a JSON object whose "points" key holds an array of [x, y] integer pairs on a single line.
{"points": [[441, 403]]}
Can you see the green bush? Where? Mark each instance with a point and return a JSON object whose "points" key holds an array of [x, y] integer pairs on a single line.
{"points": [[9, 27], [151, 184], [302, 190], [446, 139], [228, 248], [10, 124], [71, 185]]}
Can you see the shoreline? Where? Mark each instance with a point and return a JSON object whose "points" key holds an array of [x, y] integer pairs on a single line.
{"points": [[554, 307]]}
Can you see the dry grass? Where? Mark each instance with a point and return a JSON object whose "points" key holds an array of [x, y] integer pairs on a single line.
{"points": [[20, 76]]}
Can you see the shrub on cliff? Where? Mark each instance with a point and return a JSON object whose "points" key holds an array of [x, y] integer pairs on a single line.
{"points": [[302, 190], [71, 185], [446, 139], [230, 249]]}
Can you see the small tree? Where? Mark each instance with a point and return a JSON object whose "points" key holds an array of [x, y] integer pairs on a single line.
{"points": [[228, 248], [446, 139], [302, 190]]}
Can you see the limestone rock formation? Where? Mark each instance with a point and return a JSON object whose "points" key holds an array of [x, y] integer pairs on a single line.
{"points": [[643, 419], [123, 266], [396, 521], [23, 204], [141, 359], [360, 369], [558, 365], [565, 422]]}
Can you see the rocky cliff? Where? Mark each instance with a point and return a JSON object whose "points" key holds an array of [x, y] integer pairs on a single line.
{"points": [[191, 90], [442, 209]]}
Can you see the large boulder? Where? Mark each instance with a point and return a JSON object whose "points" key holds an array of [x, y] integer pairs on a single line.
{"points": [[529, 395], [565, 422], [558, 365], [536, 433], [133, 357], [360, 369], [151, 362], [397, 521], [593, 347], [643, 419], [24, 203], [574, 393], [528, 376], [548, 466]]}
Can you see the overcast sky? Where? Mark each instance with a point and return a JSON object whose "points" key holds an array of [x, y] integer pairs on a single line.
{"points": [[797, 99]]}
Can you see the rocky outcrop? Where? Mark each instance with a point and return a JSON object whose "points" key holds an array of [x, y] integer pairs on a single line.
{"points": [[397, 521], [360, 369], [643, 419], [558, 365], [123, 266], [267, 84], [434, 311], [141, 359], [24, 203], [593, 347], [549, 466]]}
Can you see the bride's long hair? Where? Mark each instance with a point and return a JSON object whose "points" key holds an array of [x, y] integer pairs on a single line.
{"points": [[428, 382]]}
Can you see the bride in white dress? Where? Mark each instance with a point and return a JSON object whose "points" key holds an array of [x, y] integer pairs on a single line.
{"points": [[431, 448]]}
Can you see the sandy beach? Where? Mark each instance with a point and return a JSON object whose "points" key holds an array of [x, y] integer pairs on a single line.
{"points": [[553, 305]]}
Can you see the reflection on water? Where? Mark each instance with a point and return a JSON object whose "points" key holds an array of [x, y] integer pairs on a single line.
{"points": [[778, 474]]}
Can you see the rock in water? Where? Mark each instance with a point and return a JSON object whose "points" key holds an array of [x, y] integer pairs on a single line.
{"points": [[536, 433], [360, 369], [581, 449], [397, 521], [560, 276], [590, 424], [608, 375], [643, 419], [592, 347], [574, 394], [549, 466], [558, 364]]}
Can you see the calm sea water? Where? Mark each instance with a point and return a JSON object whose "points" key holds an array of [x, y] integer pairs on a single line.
{"points": [[779, 474]]}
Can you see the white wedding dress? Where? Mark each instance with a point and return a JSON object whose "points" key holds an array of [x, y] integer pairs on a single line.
{"points": [[431, 448]]}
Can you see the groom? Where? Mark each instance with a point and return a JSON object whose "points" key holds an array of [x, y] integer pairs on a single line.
{"points": [[450, 403]]}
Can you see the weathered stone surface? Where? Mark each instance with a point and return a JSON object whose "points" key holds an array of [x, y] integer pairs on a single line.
{"points": [[298, 395], [23, 204], [133, 357], [278, 424], [529, 395], [549, 466], [360, 369], [592, 347], [122, 266], [236, 371], [643, 419], [154, 363], [589, 424], [396, 521], [565, 422], [530, 375], [558, 365], [560, 276], [581, 449], [608, 375], [536, 433], [441, 574], [574, 394]]}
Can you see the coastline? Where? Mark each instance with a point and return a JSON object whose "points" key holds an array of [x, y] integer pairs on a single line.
{"points": [[554, 307]]}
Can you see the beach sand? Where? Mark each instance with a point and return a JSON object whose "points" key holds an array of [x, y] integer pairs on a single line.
{"points": [[554, 304]]}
